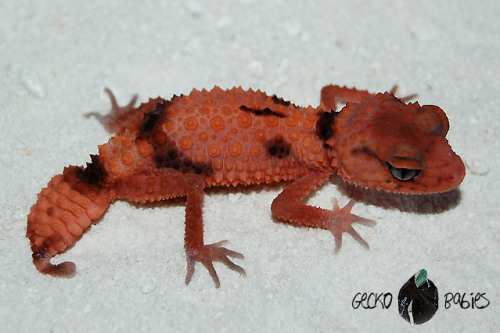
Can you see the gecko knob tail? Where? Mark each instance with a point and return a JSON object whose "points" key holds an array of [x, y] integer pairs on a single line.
{"points": [[63, 211], [65, 269]]}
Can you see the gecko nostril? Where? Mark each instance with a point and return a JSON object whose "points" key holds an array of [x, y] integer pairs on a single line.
{"points": [[451, 178]]}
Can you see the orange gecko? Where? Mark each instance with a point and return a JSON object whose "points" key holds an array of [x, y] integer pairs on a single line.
{"points": [[177, 148]]}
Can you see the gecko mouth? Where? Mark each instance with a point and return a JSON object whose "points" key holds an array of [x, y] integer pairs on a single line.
{"points": [[403, 173]]}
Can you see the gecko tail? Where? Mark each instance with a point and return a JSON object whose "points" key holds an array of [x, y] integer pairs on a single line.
{"points": [[62, 212], [42, 262]]}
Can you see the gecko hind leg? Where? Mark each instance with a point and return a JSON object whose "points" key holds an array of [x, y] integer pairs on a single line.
{"points": [[405, 99], [166, 184], [119, 117]]}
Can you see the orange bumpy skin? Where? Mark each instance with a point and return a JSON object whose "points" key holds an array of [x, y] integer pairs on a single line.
{"points": [[170, 148]]}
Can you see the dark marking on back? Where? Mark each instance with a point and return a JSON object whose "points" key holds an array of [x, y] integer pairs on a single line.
{"points": [[262, 112], [94, 173], [324, 125], [50, 211], [281, 101], [152, 118], [170, 157], [278, 147]]}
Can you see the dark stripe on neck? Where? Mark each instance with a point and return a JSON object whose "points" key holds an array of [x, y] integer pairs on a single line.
{"points": [[262, 112]]}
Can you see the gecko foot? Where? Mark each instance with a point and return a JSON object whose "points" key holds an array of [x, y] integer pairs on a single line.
{"points": [[404, 99], [341, 221], [119, 117], [207, 254]]}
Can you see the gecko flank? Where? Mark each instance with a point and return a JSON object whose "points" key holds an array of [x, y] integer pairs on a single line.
{"points": [[177, 148]]}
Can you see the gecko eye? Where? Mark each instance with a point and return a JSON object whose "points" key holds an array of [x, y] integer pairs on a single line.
{"points": [[403, 173]]}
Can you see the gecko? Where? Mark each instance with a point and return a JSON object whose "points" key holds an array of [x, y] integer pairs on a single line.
{"points": [[179, 147]]}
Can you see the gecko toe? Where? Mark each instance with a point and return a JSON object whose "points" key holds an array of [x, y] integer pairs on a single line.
{"points": [[338, 242], [364, 221], [207, 254], [211, 270], [190, 270], [231, 265], [358, 238]]}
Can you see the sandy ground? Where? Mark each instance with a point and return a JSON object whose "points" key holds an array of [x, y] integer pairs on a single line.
{"points": [[57, 57]]}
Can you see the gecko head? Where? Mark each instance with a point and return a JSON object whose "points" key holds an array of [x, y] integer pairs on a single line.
{"points": [[382, 143]]}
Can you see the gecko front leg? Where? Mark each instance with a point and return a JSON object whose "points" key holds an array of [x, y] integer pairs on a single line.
{"points": [[331, 95], [288, 208]]}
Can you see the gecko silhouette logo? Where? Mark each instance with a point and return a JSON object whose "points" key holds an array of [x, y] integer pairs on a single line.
{"points": [[418, 299]]}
